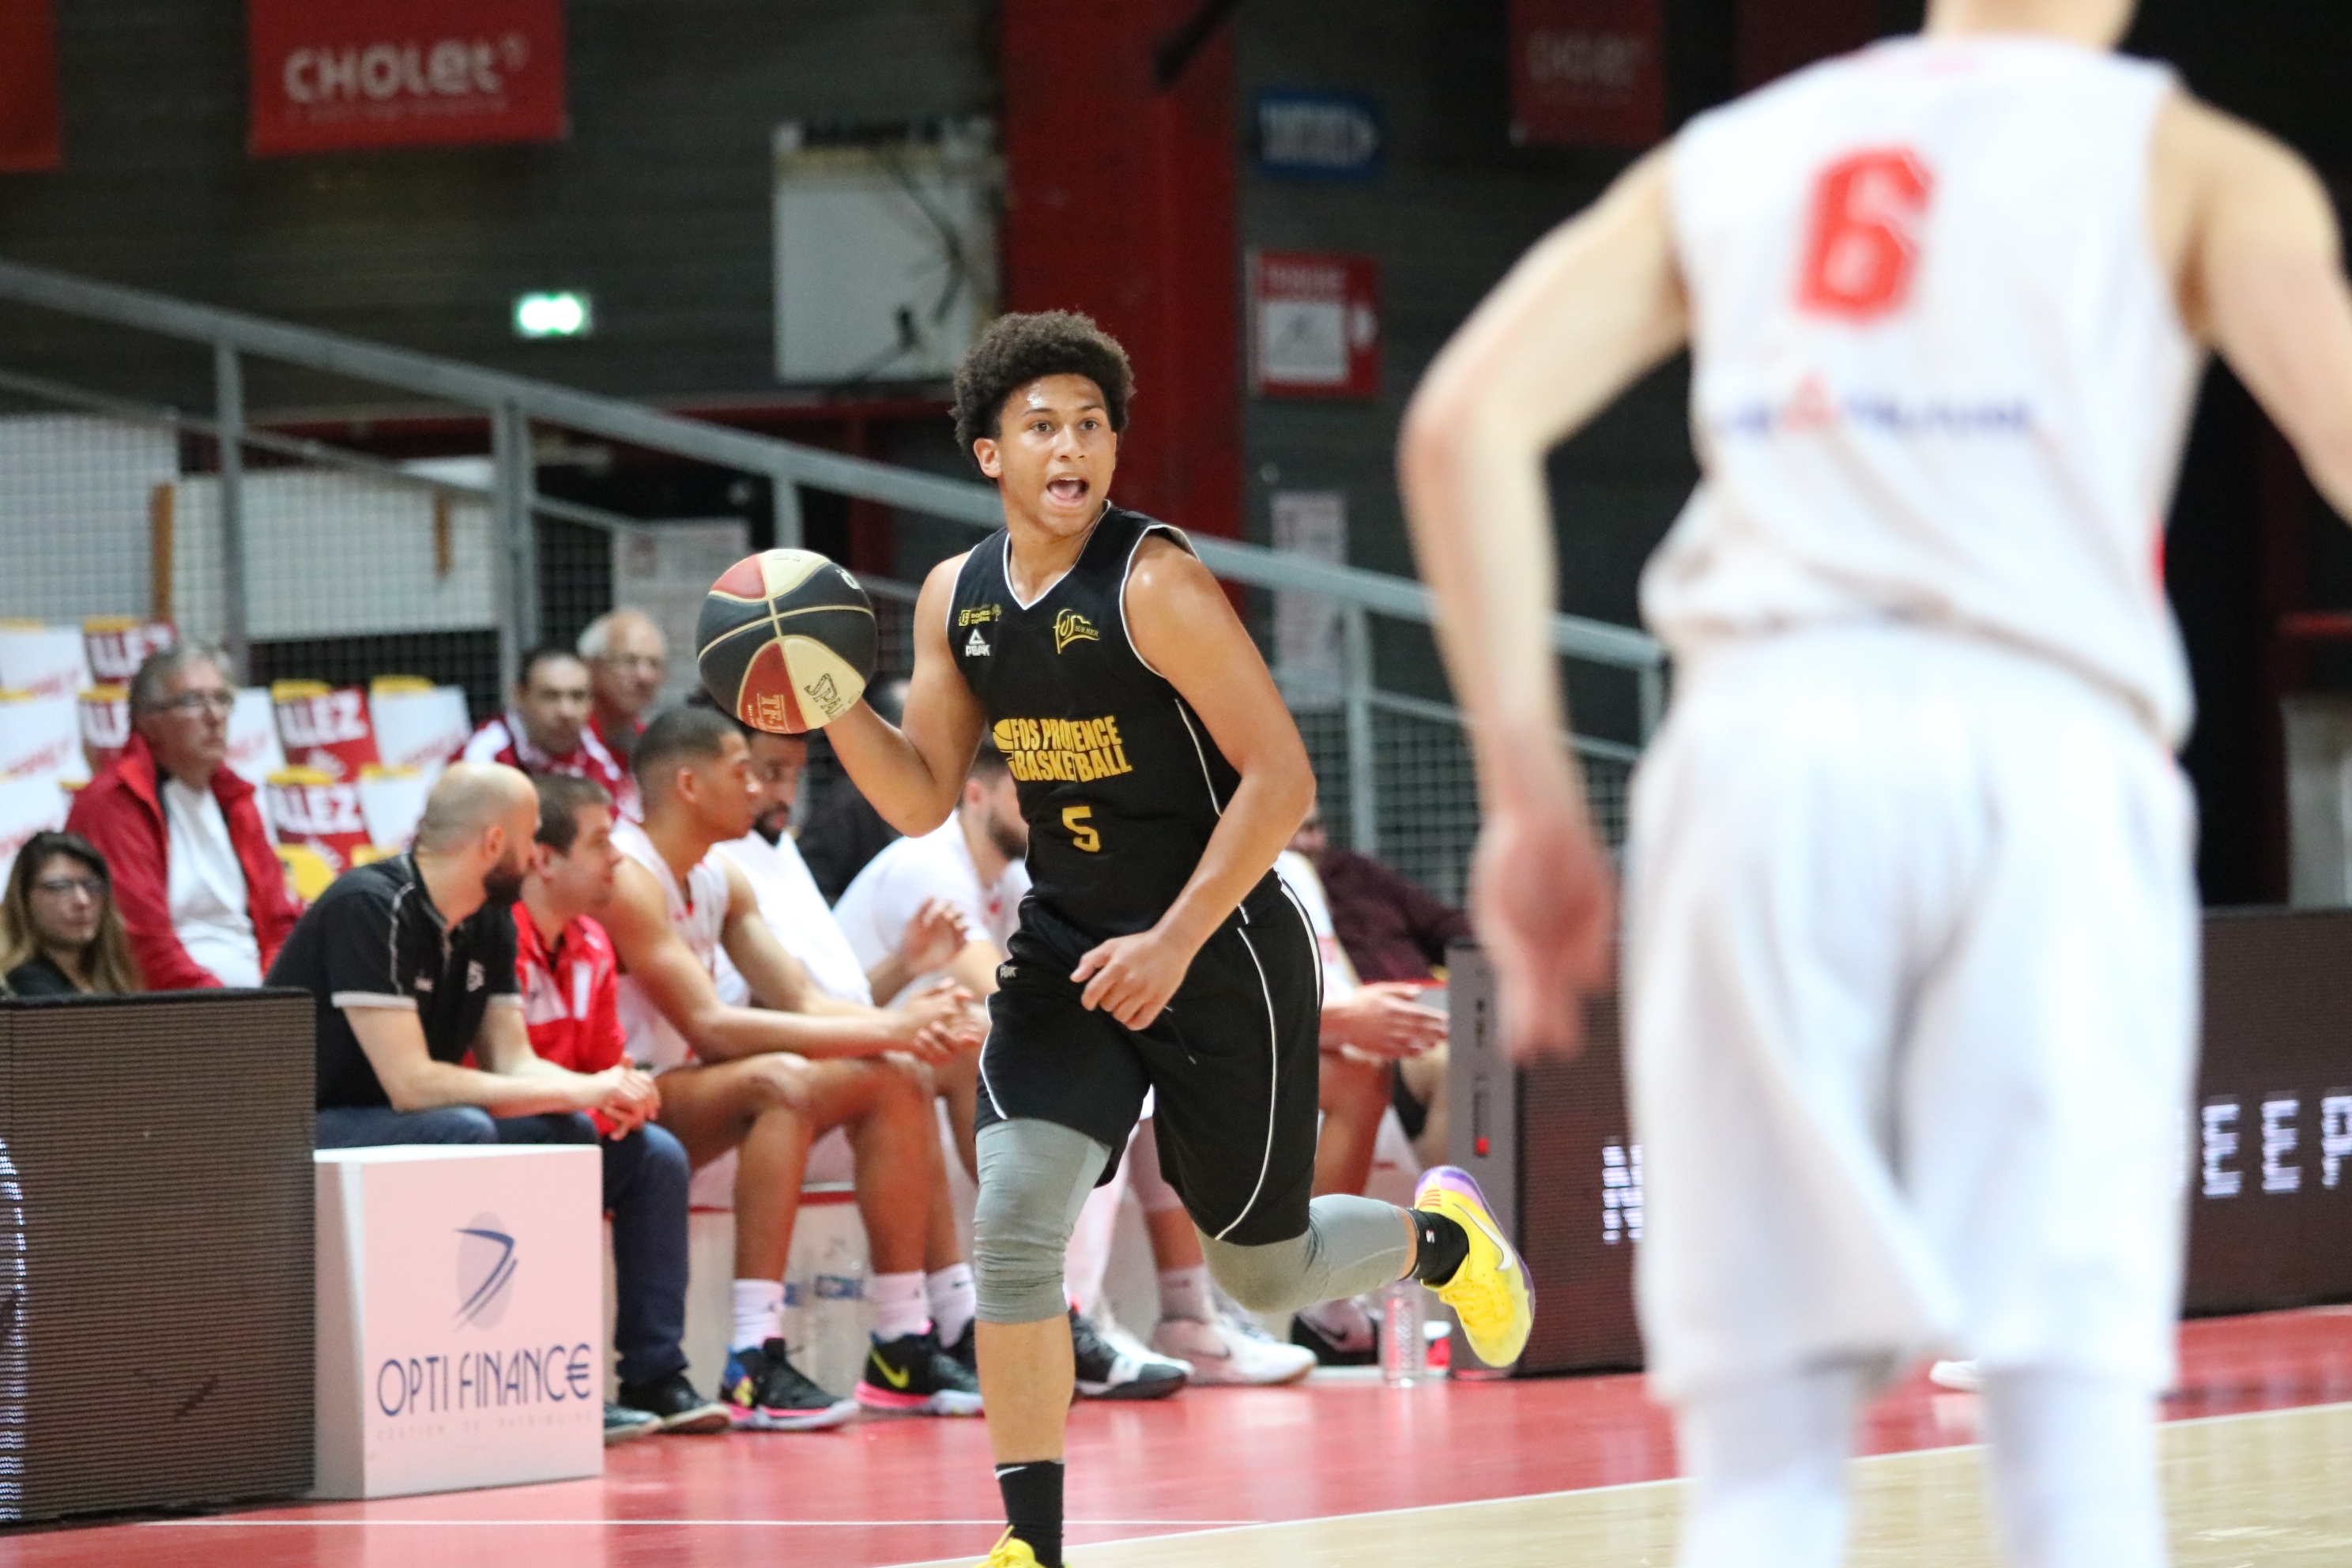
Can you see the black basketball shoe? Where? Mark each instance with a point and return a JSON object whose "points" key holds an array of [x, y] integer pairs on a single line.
{"points": [[1107, 1372], [766, 1392], [911, 1374], [672, 1402]]}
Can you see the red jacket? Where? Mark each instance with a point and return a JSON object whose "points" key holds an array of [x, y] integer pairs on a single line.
{"points": [[122, 812]]}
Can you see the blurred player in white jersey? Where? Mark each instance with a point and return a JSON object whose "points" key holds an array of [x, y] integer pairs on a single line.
{"points": [[1910, 975]]}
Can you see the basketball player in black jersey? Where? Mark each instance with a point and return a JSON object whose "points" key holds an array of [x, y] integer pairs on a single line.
{"points": [[1161, 774]]}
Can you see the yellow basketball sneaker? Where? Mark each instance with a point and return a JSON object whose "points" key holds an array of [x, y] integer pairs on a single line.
{"points": [[1011, 1552], [1490, 1292]]}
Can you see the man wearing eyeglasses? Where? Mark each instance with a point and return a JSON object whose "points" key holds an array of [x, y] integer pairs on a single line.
{"points": [[627, 658], [201, 892]]}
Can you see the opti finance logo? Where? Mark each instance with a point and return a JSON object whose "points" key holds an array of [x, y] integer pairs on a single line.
{"points": [[486, 1271]]}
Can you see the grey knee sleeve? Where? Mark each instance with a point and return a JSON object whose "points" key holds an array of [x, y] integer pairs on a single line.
{"points": [[1034, 1179], [1350, 1246]]}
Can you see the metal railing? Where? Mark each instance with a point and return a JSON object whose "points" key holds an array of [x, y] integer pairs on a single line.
{"points": [[1374, 723]]}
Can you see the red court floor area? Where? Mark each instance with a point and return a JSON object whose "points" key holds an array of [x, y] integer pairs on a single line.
{"points": [[892, 1491]]}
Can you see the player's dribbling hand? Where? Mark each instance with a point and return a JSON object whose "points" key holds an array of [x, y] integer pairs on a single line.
{"points": [[1546, 909], [1132, 977]]}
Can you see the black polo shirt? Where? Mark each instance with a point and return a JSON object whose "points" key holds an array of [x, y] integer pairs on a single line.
{"points": [[375, 940]]}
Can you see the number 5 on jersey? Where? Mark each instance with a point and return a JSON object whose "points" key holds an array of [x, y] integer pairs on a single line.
{"points": [[1073, 817]]}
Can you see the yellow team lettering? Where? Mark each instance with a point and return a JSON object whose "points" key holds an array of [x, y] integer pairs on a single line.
{"points": [[1063, 750], [1073, 817]]}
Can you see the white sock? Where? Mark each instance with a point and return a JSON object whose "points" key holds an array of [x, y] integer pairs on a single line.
{"points": [[954, 1301], [1766, 1463], [759, 1313], [1184, 1293], [2073, 1470], [899, 1307]]}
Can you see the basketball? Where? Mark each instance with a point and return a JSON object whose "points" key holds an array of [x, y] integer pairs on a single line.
{"points": [[786, 641]]}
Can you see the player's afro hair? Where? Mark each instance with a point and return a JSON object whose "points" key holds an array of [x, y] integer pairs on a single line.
{"points": [[1017, 350]]}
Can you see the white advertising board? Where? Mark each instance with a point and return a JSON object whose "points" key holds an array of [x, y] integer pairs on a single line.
{"points": [[461, 1331]]}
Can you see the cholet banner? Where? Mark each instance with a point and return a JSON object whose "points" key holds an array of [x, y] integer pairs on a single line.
{"points": [[403, 73]]}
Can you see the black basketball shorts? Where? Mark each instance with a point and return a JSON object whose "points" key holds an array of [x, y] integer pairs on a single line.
{"points": [[1232, 1063]]}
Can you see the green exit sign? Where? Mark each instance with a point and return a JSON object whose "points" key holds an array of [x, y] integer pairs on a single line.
{"points": [[564, 314]]}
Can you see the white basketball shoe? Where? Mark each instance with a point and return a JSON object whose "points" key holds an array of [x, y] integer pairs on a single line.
{"points": [[1233, 1351], [1960, 1376]]}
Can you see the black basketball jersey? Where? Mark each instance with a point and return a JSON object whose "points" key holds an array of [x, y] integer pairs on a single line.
{"points": [[1119, 780]]}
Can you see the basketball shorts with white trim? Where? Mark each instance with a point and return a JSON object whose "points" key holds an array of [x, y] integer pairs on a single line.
{"points": [[1232, 1062], [1911, 993]]}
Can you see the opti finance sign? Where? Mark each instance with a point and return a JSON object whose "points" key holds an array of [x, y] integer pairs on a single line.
{"points": [[396, 73]]}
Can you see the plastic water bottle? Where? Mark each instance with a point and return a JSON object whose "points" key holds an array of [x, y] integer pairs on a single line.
{"points": [[837, 1317], [1404, 1350]]}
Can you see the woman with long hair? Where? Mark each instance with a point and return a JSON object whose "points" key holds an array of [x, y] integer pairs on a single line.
{"points": [[60, 933]]}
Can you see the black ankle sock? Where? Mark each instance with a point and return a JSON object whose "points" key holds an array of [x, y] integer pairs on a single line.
{"points": [[1443, 1246], [1033, 1506]]}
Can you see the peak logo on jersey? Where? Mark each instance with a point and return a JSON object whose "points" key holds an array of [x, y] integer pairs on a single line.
{"points": [[1062, 751], [980, 615], [976, 645], [1070, 626]]}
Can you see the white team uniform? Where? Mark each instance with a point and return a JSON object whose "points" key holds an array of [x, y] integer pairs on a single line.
{"points": [[797, 913], [875, 908], [1911, 972], [697, 913]]}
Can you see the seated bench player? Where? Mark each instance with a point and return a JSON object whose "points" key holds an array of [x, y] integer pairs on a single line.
{"points": [[767, 1080], [796, 913], [569, 983]]}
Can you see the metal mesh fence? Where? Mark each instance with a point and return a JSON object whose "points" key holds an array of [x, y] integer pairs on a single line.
{"points": [[343, 567]]}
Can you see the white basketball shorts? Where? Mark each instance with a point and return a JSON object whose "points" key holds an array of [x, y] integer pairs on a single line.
{"points": [[1911, 995]]}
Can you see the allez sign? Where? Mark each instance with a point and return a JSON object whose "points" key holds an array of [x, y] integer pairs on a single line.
{"points": [[1588, 72], [396, 73]]}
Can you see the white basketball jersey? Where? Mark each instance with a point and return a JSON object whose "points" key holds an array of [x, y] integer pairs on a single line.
{"points": [[1938, 373], [697, 913]]}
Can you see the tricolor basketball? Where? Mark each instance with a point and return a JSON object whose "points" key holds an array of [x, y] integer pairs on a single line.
{"points": [[786, 641]]}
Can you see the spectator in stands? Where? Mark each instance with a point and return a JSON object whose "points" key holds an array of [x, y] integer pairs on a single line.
{"points": [[571, 988], [60, 933], [411, 962], [201, 892], [844, 831], [545, 728], [627, 656], [1391, 928], [766, 1080]]}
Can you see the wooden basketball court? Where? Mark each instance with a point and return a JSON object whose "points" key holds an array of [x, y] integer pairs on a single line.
{"points": [[2257, 1453]]}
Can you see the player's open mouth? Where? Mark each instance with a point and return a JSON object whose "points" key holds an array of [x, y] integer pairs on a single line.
{"points": [[1069, 491]]}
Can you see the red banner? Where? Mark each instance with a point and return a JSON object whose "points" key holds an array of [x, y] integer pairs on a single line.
{"points": [[325, 729], [1588, 72], [1314, 325], [399, 73], [31, 129]]}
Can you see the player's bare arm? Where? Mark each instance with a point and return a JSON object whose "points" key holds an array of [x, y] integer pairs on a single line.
{"points": [[2247, 231], [651, 954], [394, 1041], [502, 1045], [935, 938], [1184, 627], [914, 774], [1585, 314], [931, 1025]]}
